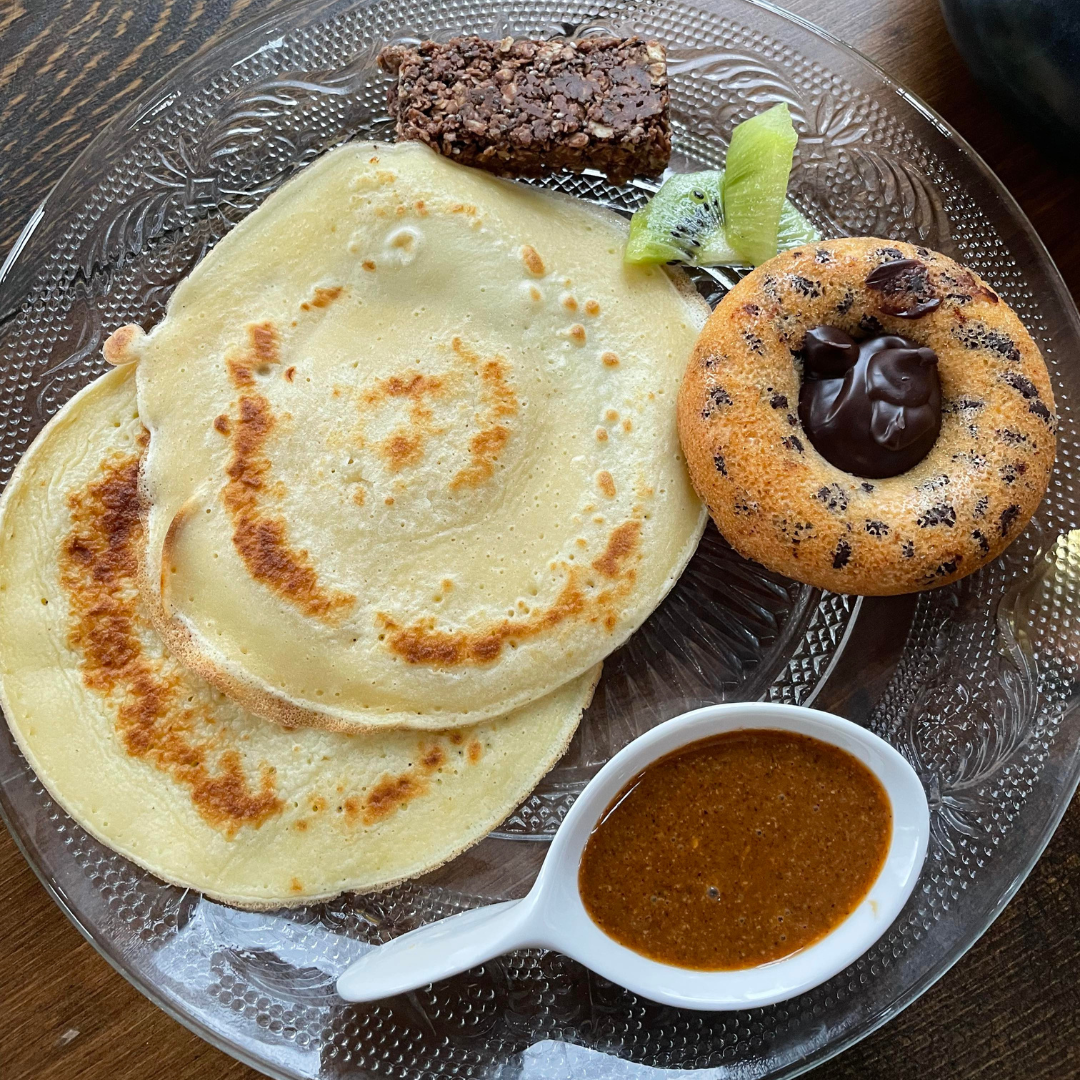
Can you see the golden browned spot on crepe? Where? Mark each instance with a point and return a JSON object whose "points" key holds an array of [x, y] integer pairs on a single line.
{"points": [[533, 263], [240, 373], [606, 483], [498, 394], [117, 349], [475, 751], [423, 643], [414, 387], [296, 885], [401, 449], [393, 792], [262, 349], [577, 334], [499, 401], [323, 298], [261, 539], [98, 567], [433, 757], [609, 359], [265, 345], [405, 445], [592, 307], [389, 794], [622, 543], [484, 448]]}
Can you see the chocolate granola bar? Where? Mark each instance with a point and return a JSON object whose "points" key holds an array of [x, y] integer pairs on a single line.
{"points": [[525, 108]]}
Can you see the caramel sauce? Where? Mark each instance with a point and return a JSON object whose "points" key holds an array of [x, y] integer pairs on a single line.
{"points": [[736, 850]]}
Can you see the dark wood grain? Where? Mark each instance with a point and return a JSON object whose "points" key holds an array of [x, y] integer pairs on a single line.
{"points": [[1010, 1010]]}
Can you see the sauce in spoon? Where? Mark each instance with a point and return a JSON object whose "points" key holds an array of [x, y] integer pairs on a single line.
{"points": [[736, 850]]}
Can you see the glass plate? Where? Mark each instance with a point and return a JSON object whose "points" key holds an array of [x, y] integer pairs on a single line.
{"points": [[976, 684]]}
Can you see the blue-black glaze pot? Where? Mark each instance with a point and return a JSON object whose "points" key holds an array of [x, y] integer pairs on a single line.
{"points": [[1026, 54]]}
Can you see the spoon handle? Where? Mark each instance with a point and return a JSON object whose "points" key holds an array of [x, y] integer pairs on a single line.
{"points": [[436, 951]]}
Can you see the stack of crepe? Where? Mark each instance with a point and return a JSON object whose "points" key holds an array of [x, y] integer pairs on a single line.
{"points": [[309, 592]]}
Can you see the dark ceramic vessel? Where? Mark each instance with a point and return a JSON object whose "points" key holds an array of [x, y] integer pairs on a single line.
{"points": [[1026, 54]]}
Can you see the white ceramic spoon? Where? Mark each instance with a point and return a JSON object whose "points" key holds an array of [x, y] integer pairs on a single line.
{"points": [[552, 915]]}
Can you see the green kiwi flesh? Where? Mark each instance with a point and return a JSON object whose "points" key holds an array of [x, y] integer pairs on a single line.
{"points": [[729, 217]]}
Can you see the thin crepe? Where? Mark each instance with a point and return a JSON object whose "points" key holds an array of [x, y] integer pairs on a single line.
{"points": [[413, 454], [163, 768]]}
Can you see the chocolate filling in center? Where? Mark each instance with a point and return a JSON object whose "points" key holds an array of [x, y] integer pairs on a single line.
{"points": [[871, 408]]}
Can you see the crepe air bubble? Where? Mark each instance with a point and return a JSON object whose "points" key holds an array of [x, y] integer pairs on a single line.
{"points": [[402, 245]]}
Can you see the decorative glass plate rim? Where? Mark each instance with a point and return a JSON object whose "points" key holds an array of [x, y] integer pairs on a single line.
{"points": [[256, 27]]}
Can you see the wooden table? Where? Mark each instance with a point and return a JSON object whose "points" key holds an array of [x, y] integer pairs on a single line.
{"points": [[1009, 1010]]}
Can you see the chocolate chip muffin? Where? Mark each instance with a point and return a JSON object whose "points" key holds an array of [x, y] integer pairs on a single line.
{"points": [[781, 501]]}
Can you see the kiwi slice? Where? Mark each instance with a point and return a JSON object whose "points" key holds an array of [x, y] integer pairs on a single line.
{"points": [[728, 217], [795, 229], [682, 222], [755, 182]]}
